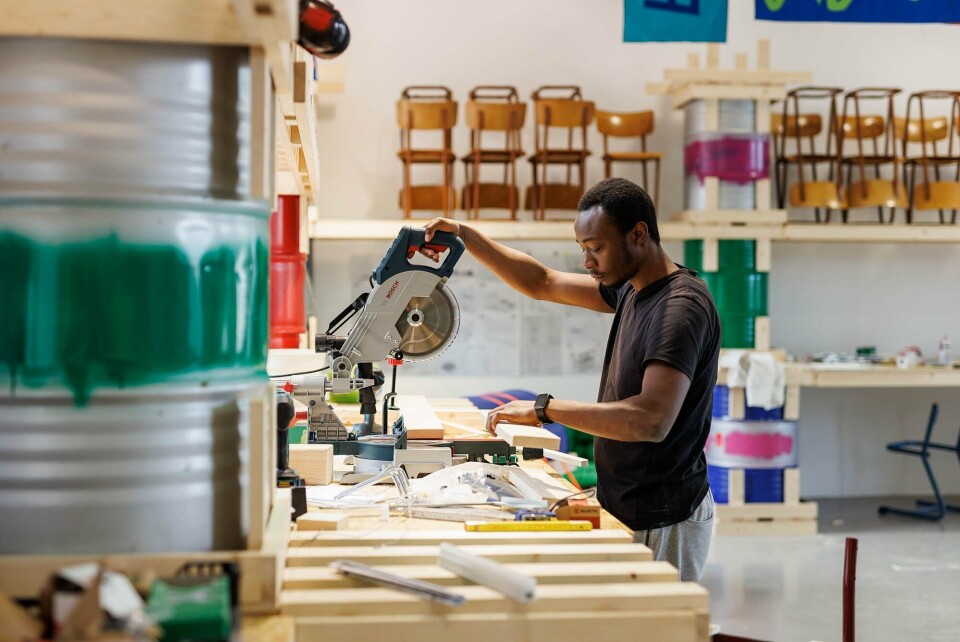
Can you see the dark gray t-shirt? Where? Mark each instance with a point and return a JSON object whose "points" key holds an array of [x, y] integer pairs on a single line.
{"points": [[674, 320]]}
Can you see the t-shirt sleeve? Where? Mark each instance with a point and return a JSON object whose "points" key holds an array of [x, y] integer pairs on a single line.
{"points": [[682, 337], [610, 295]]}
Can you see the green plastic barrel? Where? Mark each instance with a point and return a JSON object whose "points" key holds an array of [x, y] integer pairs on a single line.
{"points": [[737, 330], [740, 293], [693, 255], [737, 256], [711, 279]]}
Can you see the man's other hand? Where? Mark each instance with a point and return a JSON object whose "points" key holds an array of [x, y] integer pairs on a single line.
{"points": [[515, 412], [438, 225]]}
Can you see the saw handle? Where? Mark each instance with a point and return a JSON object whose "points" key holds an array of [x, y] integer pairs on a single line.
{"points": [[411, 240]]}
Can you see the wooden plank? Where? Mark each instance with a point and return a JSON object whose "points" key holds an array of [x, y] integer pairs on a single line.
{"points": [[713, 58], [576, 573], [711, 123], [507, 553], [711, 187], [651, 625], [791, 406], [527, 436], [211, 21], [791, 486], [735, 487], [762, 118], [435, 538], [693, 61], [764, 255], [741, 61], [261, 446], [737, 403], [763, 60], [680, 97], [320, 521], [753, 511], [761, 334], [711, 255], [275, 628], [480, 599], [262, 130], [761, 195], [737, 76], [733, 217]]}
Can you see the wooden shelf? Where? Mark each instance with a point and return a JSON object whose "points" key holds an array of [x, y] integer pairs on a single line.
{"points": [[562, 230], [815, 375]]}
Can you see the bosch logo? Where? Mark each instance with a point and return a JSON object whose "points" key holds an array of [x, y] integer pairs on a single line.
{"points": [[392, 289]]}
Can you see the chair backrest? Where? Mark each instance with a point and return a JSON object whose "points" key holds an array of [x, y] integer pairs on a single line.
{"points": [[854, 124], [426, 115], [496, 116], [928, 435], [560, 92], [864, 127], [625, 124], [568, 114], [921, 126], [803, 125], [921, 131]]}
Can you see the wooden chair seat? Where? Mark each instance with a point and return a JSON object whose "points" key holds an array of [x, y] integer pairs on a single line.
{"points": [[430, 197], [632, 156], [931, 160], [808, 158], [425, 156], [494, 155], [491, 196], [939, 195], [876, 192], [559, 156], [869, 159], [559, 197], [816, 194]]}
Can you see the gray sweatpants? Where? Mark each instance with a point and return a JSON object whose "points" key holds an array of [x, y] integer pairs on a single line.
{"points": [[685, 545]]}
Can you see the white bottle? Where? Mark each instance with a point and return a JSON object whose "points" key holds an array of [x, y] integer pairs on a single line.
{"points": [[945, 357]]}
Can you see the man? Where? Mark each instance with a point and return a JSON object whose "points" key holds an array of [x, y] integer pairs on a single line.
{"points": [[652, 415]]}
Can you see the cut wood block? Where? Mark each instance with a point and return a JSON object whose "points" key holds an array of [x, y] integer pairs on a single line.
{"points": [[585, 573], [418, 418], [313, 462], [322, 521], [527, 436]]}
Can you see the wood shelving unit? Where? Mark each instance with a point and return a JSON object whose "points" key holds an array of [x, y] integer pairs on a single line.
{"points": [[562, 230]]}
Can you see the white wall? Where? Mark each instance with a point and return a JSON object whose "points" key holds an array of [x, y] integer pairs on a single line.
{"points": [[822, 297]]}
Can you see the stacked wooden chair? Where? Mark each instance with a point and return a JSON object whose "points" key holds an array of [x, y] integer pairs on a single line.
{"points": [[790, 130], [496, 111], [427, 111], [560, 112], [931, 123], [636, 126]]}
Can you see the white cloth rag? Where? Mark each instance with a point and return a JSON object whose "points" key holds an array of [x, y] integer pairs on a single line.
{"points": [[763, 377]]}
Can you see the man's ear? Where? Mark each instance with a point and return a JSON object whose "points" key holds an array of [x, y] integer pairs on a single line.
{"points": [[639, 233]]}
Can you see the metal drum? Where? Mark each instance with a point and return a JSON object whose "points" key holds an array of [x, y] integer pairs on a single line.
{"points": [[133, 284], [161, 469]]}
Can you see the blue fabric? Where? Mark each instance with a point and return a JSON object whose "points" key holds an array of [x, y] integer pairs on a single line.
{"points": [[675, 20], [859, 10], [491, 400]]}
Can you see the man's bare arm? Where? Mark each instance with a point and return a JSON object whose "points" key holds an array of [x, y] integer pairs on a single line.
{"points": [[522, 272]]}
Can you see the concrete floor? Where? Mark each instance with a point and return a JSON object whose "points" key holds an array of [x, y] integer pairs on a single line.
{"points": [[789, 588]]}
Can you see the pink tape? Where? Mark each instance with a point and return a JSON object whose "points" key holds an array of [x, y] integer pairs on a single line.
{"points": [[758, 446], [738, 159]]}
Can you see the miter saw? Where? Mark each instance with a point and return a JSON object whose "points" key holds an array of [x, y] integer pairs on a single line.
{"points": [[409, 315]]}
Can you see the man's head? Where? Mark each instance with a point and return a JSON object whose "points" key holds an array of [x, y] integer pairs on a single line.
{"points": [[616, 229]]}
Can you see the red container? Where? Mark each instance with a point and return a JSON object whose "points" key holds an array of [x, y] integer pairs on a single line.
{"points": [[287, 319], [285, 225], [287, 274]]}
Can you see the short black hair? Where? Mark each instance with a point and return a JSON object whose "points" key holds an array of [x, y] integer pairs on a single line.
{"points": [[626, 202]]}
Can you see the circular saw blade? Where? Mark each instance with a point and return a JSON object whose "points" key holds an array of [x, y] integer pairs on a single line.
{"points": [[428, 325]]}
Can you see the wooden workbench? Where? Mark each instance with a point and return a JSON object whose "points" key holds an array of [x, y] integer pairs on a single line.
{"points": [[589, 583]]}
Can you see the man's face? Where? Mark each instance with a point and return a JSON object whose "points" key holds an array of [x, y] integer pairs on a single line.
{"points": [[611, 257]]}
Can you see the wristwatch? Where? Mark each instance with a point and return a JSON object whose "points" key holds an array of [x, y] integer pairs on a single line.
{"points": [[540, 407]]}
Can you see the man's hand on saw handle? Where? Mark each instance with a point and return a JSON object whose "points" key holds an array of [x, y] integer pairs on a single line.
{"points": [[438, 225]]}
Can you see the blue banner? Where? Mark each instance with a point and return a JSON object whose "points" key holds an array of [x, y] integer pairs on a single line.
{"points": [[674, 20], [859, 10]]}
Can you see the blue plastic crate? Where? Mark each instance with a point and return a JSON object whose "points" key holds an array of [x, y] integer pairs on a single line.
{"points": [[761, 485], [721, 408]]}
